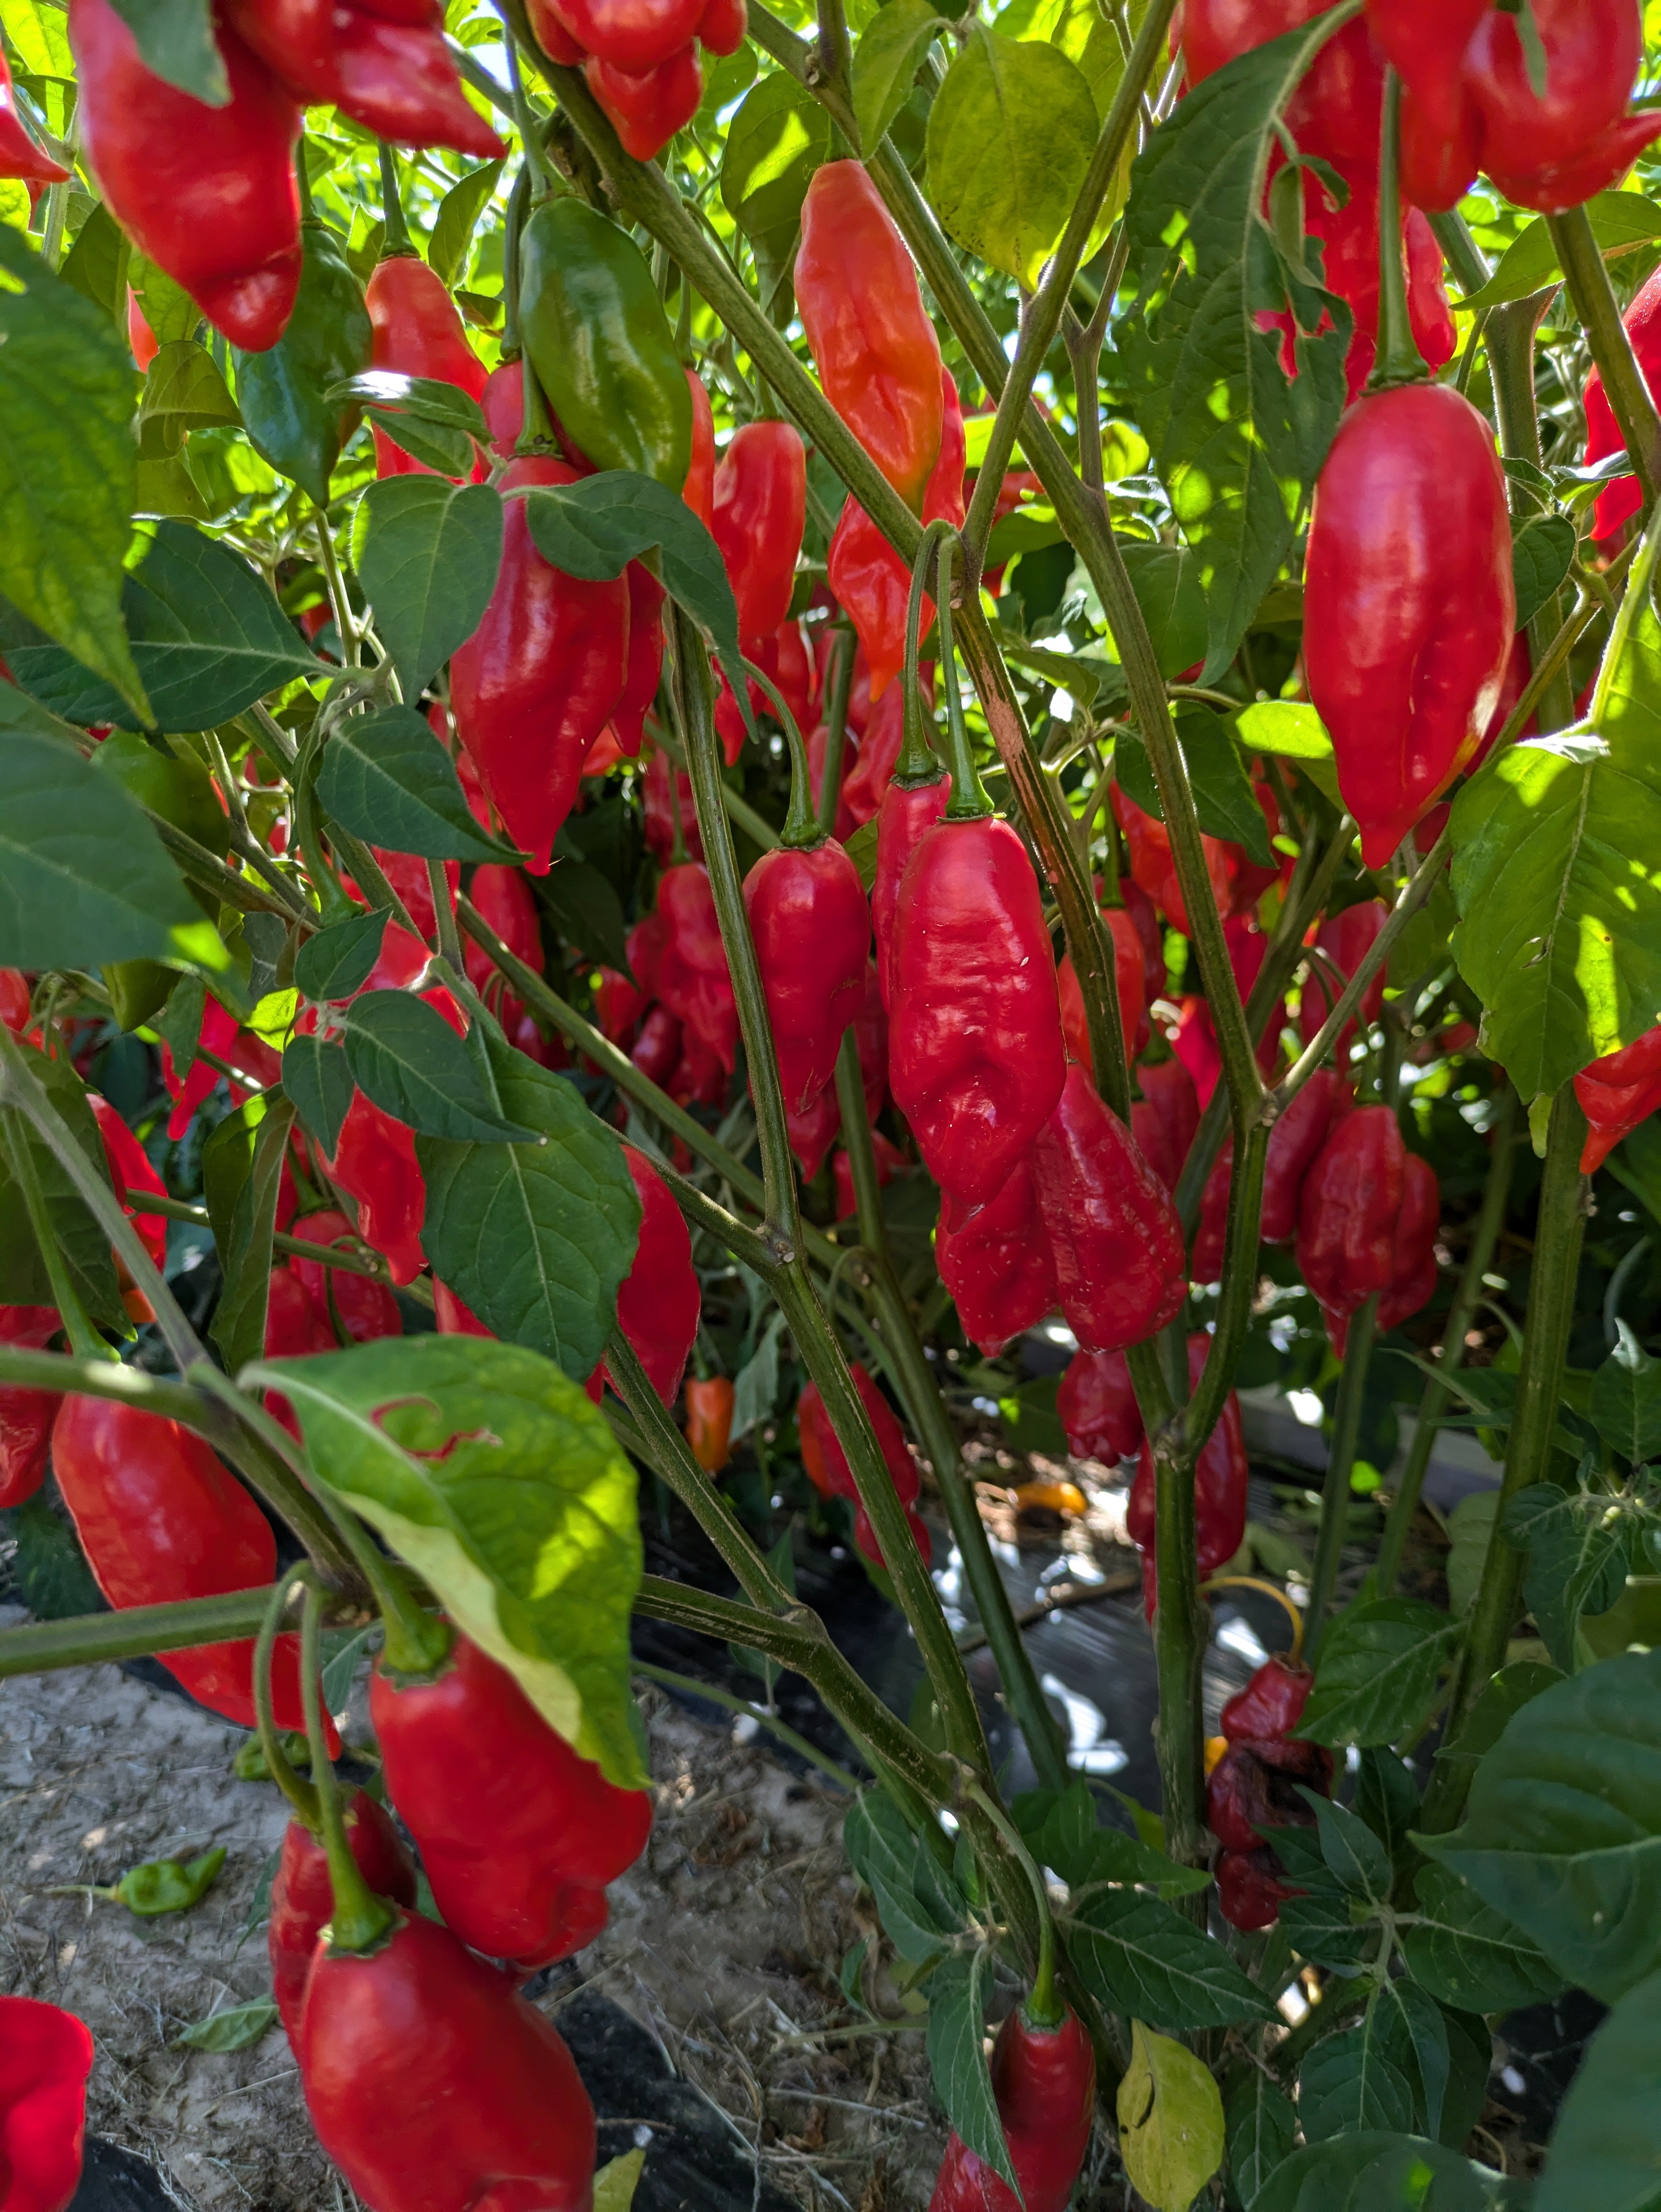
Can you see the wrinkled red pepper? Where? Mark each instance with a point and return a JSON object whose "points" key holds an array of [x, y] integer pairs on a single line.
{"points": [[1097, 1406], [759, 508], [1346, 938], [657, 1300], [996, 1261], [26, 1415], [1348, 1213], [393, 76], [1117, 1240], [1165, 1119], [692, 979]]}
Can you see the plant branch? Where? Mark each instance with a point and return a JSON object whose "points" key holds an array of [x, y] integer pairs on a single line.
{"points": [[136, 1632], [1595, 303]]}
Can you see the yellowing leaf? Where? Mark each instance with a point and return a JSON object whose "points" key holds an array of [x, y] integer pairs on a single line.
{"points": [[1171, 2121]]}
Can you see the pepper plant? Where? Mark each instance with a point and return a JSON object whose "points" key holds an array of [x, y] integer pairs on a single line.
{"points": [[736, 705]]}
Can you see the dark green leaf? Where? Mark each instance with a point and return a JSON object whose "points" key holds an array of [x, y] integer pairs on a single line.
{"points": [[458, 215], [49, 1569], [169, 1885], [1138, 1956], [411, 1063], [774, 143], [316, 1077], [1542, 550], [1063, 1831], [587, 912], [1261, 2127], [183, 391], [1470, 2061], [535, 1238], [958, 1991], [1577, 1549], [1506, 1694], [178, 1024], [1606, 2148], [237, 2028], [1011, 132], [886, 60], [1330, 1929], [338, 960], [1353, 1855], [1377, 1672], [1387, 1797], [595, 527], [168, 308], [1419, 2046], [436, 423], [1375, 2172], [179, 789], [241, 1169], [1352, 2081], [1636, 1162], [427, 553], [1166, 579], [1626, 1400], [922, 1911], [99, 264], [82, 1244], [386, 778], [1467, 1954], [175, 41]]}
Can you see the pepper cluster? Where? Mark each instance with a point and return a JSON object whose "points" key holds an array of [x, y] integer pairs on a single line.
{"points": [[1253, 1789]]}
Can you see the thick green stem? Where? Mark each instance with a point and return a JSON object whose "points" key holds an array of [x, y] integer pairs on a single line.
{"points": [[1595, 302], [969, 801], [1335, 1493], [395, 244], [361, 1921], [1511, 330], [301, 1794], [835, 732], [802, 830], [798, 1743], [1559, 1230], [1179, 1643], [739, 811], [1399, 360], [137, 1632]]}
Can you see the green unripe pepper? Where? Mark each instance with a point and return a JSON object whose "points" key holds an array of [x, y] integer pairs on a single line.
{"points": [[595, 330], [281, 391]]}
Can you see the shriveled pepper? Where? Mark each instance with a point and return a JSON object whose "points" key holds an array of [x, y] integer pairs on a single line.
{"points": [[1347, 1213], [1615, 1094], [831, 1476], [1044, 2081], [1272, 1702], [1097, 1406], [759, 509], [391, 74], [1117, 1240], [45, 2056], [26, 1415], [710, 1401], [692, 979], [996, 1261], [303, 1899], [1254, 1786], [1219, 1490]]}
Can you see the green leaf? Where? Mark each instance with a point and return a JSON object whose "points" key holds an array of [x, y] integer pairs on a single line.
{"points": [[340, 959], [1577, 1560], [1326, 1926], [886, 60], [49, 1569], [1542, 550], [777, 139], [83, 880], [1353, 1855], [1618, 220], [1606, 2147], [1238, 444], [617, 2181], [1506, 1692], [1261, 2126], [174, 785], [1470, 1524], [1377, 1671], [183, 391], [1138, 1956], [427, 553], [458, 215], [316, 1077], [67, 459], [595, 527], [411, 1063], [236, 2029], [1626, 1400], [241, 1170], [386, 779], [1166, 579], [1636, 1162], [436, 422], [1418, 2042], [1171, 2121], [1376, 2171], [176, 43], [1387, 1799], [39, 34], [99, 264], [958, 1991], [1562, 1830], [1467, 1954], [168, 308], [1063, 1831], [1010, 135], [922, 1908], [82, 1244], [490, 1474], [534, 1238], [168, 1885], [584, 908], [1352, 2081]]}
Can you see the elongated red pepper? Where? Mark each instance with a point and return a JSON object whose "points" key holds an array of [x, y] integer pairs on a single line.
{"points": [[417, 331], [1044, 2081], [294, 1329], [699, 491], [26, 1415], [640, 683], [1221, 1480], [366, 1308], [302, 1901], [659, 1300], [1409, 602], [976, 1057], [865, 785], [14, 999], [1294, 1142], [217, 1031], [1346, 938], [1153, 870], [692, 978], [907, 812], [19, 155], [831, 1476], [160, 1520], [45, 2056], [519, 1834], [813, 1127], [811, 927], [1348, 1213], [508, 904], [657, 1050], [374, 1163], [394, 77], [1128, 973], [129, 1168], [1096, 1404], [666, 790], [1112, 1228], [1620, 498], [996, 1261], [891, 1161], [709, 1400], [759, 508], [1349, 267], [540, 678], [869, 333], [1617, 1093], [1165, 1120], [208, 192], [1413, 1272]]}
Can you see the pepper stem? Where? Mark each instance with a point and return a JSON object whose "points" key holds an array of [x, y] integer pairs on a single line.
{"points": [[396, 244], [513, 224], [301, 1793], [836, 729], [302, 177], [361, 1921], [1398, 360], [969, 801], [917, 765], [1043, 2006], [801, 831], [536, 160], [1640, 585]]}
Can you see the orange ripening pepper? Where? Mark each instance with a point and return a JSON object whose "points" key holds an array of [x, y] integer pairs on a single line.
{"points": [[710, 1421]]}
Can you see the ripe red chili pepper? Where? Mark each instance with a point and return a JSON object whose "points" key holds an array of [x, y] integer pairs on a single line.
{"points": [[618, 1006], [1349, 267], [657, 1300], [827, 1463], [294, 1329], [453, 1318], [759, 506], [1117, 1240], [1195, 1044], [1413, 1272], [1293, 1144], [700, 490], [1617, 1093], [302, 1902], [811, 927], [692, 979], [14, 999], [873, 344], [1253, 1786], [647, 107], [1127, 972], [1408, 603], [1346, 938], [1424, 41], [1271, 1704], [374, 1163], [208, 193], [657, 1050], [891, 1161], [418, 332], [45, 2056], [636, 34], [367, 1309], [1621, 499], [976, 1057], [434, 2087], [907, 812], [1164, 1120], [160, 1520], [540, 678], [1097, 1406], [1153, 870], [406, 872], [1347, 1216], [1219, 1490], [1250, 1893], [26, 1415], [519, 1834], [710, 1420], [395, 77], [866, 784], [129, 1168], [508, 904], [217, 1030], [996, 1261], [813, 1127], [1044, 2081], [645, 666], [1141, 908], [19, 155], [664, 787]]}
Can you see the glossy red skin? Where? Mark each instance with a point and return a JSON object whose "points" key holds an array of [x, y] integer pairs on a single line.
{"points": [[1165, 1120], [1271, 1703], [659, 1301], [208, 192], [870, 580], [407, 874], [1413, 1277], [129, 1168], [811, 927], [878, 358], [1155, 872], [996, 1261], [503, 402], [294, 1329], [14, 997], [26, 1416], [1346, 1215], [692, 978], [618, 1006], [1617, 1093], [903, 818], [302, 1901], [645, 663], [812, 1131], [1554, 153], [976, 1056], [367, 1310], [1409, 608], [374, 1163], [540, 678], [636, 35], [1219, 1490], [435, 2087], [1044, 2081], [508, 904], [19, 155], [1128, 974], [784, 658], [453, 1318], [831, 1476], [1346, 938], [1621, 499], [1117, 1240], [661, 780], [393, 77], [700, 490], [1248, 948], [648, 107], [1141, 908], [1249, 1893], [45, 2056], [722, 24], [657, 1050], [1293, 1144], [218, 1029], [417, 331], [1350, 267], [1097, 1406], [1424, 41], [160, 1520], [759, 508], [518, 1834], [866, 784]]}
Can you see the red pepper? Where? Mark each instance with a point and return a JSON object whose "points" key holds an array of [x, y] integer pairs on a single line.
{"points": [[811, 927], [700, 490], [692, 978], [1346, 938], [453, 1318], [759, 508], [519, 1834], [1117, 1240], [618, 1006], [640, 683], [1293, 1144], [827, 1463], [657, 1049], [996, 1261], [1271, 1704], [433, 2086], [1617, 1093], [636, 34], [1142, 910], [1044, 2081], [976, 1059], [208, 193], [710, 1421], [508, 904], [129, 1168], [374, 1163], [406, 872], [873, 344], [302, 1902], [657, 1301], [15, 997], [218, 1029], [1347, 1216], [1413, 1275], [866, 786], [647, 107], [891, 1161], [813, 1127], [1253, 1786], [1154, 871], [26, 1415], [906, 813], [1250, 1893], [19, 155], [160, 1520], [45, 2056], [367, 1309], [784, 658], [1349, 267], [541, 676], [418, 332], [1097, 1406], [1219, 1490], [394, 77], [1408, 605], [662, 787], [294, 1329], [1128, 971], [1165, 1120], [871, 581], [1621, 499]]}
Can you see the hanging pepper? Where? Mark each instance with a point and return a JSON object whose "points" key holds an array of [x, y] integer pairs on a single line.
{"points": [[1621, 497], [1271, 1704], [618, 1006], [1346, 938], [1294, 1142], [640, 683], [519, 1834], [659, 1300], [1117, 1240], [1347, 1216], [207, 193], [996, 1261], [366, 1308], [45, 2056], [656, 1052], [692, 978], [295, 1327], [909, 811], [19, 155], [1253, 1786], [759, 509], [1097, 1406], [1154, 871], [1617, 1093], [540, 678], [416, 332], [129, 1169], [1349, 267], [813, 1127], [302, 1901], [700, 492], [160, 1520], [1412, 1273], [374, 1163], [1044, 2081], [508, 905], [647, 107], [1165, 1119], [831, 1476], [873, 344], [26, 1415], [1220, 1479], [14, 999], [891, 1161], [217, 1031], [866, 784], [666, 791], [1128, 971], [710, 1421], [1408, 603], [394, 76]]}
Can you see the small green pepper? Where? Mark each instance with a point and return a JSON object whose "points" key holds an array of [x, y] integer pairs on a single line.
{"points": [[158, 1886]]}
